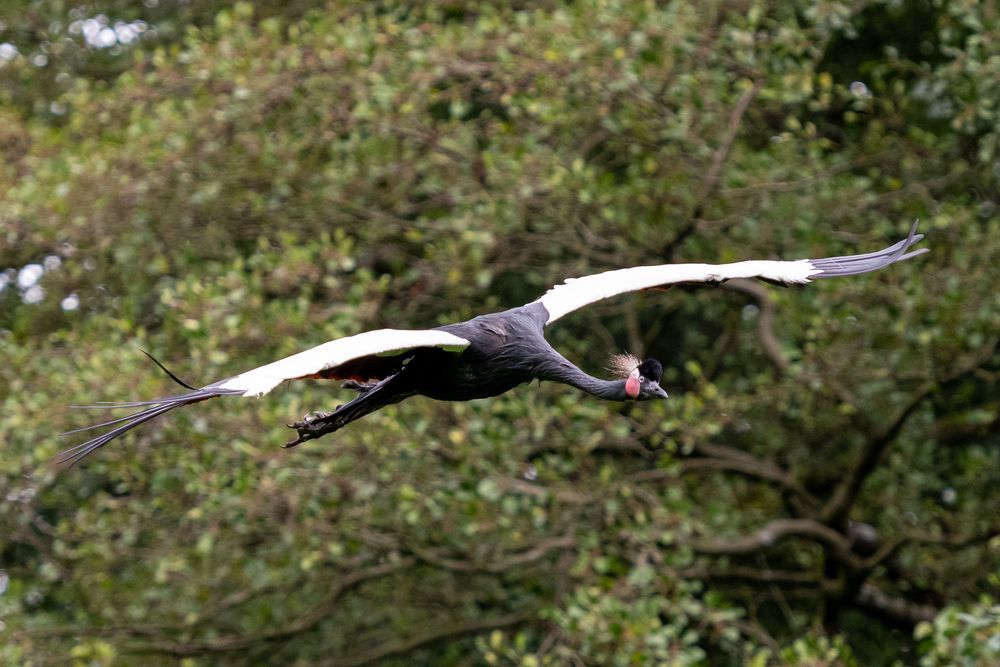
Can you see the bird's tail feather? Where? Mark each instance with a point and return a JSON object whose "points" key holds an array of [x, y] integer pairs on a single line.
{"points": [[152, 409]]}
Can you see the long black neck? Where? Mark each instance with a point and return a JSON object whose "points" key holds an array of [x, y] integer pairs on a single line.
{"points": [[559, 369]]}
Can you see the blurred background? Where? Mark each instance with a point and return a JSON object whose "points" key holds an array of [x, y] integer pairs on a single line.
{"points": [[225, 185]]}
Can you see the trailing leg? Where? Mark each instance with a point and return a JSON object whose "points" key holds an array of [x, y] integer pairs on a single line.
{"points": [[317, 424]]}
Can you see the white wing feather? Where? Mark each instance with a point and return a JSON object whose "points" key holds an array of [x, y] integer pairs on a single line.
{"points": [[259, 381], [578, 292]]}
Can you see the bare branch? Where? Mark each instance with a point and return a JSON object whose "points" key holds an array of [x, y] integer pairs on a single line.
{"points": [[838, 545], [710, 182], [893, 609], [765, 322], [528, 488], [765, 577], [730, 459], [949, 433], [846, 492], [763, 471], [152, 630], [430, 636], [526, 557], [891, 548], [756, 631], [771, 186], [724, 452], [302, 623], [631, 446]]}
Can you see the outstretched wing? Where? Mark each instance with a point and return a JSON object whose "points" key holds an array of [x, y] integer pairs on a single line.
{"points": [[370, 355], [366, 356], [578, 292]]}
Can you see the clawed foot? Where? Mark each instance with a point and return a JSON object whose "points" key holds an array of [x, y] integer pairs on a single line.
{"points": [[312, 426], [359, 386]]}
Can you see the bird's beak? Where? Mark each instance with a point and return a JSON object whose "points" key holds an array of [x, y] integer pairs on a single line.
{"points": [[658, 391]]}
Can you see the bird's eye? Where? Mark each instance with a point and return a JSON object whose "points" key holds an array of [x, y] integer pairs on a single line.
{"points": [[642, 378]]}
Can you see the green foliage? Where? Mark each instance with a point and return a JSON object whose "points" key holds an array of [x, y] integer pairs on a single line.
{"points": [[253, 181], [644, 629], [967, 637], [812, 651]]}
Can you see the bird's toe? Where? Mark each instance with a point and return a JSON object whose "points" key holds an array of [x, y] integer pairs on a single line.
{"points": [[311, 417]]}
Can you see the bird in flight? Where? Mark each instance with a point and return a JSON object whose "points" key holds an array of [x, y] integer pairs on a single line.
{"points": [[484, 356]]}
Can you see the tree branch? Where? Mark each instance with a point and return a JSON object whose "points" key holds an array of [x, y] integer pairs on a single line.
{"points": [[846, 492], [764, 577], [561, 495], [896, 610], [427, 637], [776, 531], [763, 471], [765, 322], [302, 623], [730, 459], [710, 182], [528, 556], [891, 548]]}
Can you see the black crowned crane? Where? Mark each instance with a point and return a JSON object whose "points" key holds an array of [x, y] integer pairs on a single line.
{"points": [[484, 356]]}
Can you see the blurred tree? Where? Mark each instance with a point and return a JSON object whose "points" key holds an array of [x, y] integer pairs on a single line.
{"points": [[49, 44], [253, 181]]}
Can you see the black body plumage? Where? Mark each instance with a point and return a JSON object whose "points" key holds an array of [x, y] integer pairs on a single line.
{"points": [[506, 349]]}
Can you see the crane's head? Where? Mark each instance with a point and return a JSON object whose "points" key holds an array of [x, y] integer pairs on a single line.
{"points": [[642, 378]]}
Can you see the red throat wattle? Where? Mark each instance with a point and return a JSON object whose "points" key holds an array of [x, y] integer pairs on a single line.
{"points": [[632, 384]]}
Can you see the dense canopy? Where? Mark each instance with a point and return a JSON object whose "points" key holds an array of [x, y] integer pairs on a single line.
{"points": [[223, 186]]}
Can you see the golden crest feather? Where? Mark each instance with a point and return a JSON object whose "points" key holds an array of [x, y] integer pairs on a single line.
{"points": [[620, 365]]}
